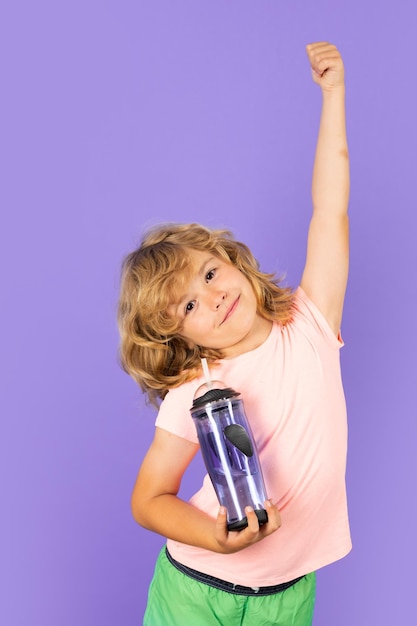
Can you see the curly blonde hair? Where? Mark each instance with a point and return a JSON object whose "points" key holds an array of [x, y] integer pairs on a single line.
{"points": [[153, 275]]}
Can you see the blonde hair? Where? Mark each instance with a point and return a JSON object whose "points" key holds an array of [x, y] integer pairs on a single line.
{"points": [[153, 275]]}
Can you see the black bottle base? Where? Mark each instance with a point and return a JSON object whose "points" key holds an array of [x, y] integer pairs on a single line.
{"points": [[240, 524]]}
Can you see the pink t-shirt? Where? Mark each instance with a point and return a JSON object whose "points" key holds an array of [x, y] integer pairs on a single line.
{"points": [[292, 391]]}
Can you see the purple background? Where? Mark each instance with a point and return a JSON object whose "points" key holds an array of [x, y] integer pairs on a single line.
{"points": [[117, 115]]}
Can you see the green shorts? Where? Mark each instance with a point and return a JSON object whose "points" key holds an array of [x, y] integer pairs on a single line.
{"points": [[176, 599]]}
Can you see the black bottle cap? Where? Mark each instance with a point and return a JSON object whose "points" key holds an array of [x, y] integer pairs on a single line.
{"points": [[214, 394], [240, 524]]}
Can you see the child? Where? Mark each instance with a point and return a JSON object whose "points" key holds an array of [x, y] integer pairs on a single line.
{"points": [[189, 292]]}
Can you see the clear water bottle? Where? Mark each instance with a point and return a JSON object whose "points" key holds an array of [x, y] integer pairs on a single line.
{"points": [[229, 453]]}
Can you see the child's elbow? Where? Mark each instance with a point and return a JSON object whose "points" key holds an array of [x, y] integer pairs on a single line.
{"points": [[138, 509]]}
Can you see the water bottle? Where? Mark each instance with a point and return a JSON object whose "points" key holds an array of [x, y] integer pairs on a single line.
{"points": [[229, 452]]}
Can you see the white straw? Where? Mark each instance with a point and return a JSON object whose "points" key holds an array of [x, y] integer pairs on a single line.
{"points": [[206, 373]]}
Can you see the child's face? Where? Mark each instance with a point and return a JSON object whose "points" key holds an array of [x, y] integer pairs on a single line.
{"points": [[219, 307]]}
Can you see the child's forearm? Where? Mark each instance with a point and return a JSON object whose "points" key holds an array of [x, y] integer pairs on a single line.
{"points": [[175, 519], [330, 184]]}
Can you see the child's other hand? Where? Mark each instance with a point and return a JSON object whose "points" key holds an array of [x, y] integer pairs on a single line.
{"points": [[326, 65], [233, 541]]}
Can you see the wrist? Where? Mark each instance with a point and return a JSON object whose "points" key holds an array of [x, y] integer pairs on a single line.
{"points": [[334, 92]]}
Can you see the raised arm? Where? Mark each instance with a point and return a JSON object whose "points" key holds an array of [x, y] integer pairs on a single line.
{"points": [[325, 274]]}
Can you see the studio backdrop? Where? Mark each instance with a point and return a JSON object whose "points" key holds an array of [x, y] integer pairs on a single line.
{"points": [[117, 116]]}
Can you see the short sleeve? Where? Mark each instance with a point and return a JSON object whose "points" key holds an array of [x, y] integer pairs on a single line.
{"points": [[174, 413], [307, 309]]}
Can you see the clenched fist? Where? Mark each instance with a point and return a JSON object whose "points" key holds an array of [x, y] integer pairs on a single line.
{"points": [[326, 65]]}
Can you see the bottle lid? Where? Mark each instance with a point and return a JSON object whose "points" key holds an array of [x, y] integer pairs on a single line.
{"points": [[212, 395]]}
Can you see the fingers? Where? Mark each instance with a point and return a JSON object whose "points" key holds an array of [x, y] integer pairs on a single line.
{"points": [[233, 541], [253, 522], [274, 516], [326, 65], [220, 530], [321, 56], [253, 532]]}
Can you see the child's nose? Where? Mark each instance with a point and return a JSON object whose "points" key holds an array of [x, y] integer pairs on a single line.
{"points": [[218, 299], [214, 299]]}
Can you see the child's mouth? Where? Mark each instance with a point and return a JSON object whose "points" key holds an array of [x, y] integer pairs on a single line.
{"points": [[231, 310]]}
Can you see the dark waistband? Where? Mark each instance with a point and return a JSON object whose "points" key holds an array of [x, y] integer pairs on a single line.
{"points": [[224, 585]]}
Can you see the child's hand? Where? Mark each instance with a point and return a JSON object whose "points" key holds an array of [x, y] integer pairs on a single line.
{"points": [[233, 541], [326, 65]]}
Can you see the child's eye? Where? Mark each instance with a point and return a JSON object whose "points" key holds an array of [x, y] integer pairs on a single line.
{"points": [[189, 306], [210, 275]]}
